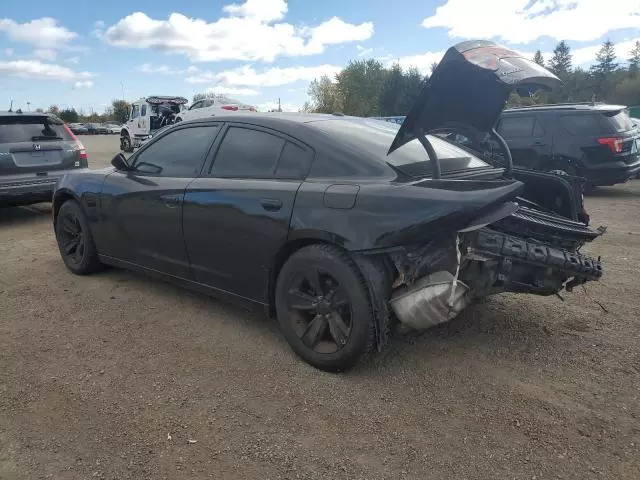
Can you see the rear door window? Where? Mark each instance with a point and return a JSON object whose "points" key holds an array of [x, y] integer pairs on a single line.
{"points": [[247, 153], [516, 126], [294, 162], [580, 124], [14, 129]]}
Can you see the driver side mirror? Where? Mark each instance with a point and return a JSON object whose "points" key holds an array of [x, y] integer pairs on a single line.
{"points": [[120, 162]]}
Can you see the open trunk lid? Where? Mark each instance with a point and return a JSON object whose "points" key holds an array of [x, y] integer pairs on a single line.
{"points": [[469, 87]]}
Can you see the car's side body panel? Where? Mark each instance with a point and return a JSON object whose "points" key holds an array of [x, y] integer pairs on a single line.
{"points": [[389, 215]]}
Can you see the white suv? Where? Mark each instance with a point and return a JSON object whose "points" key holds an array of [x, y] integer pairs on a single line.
{"points": [[210, 107]]}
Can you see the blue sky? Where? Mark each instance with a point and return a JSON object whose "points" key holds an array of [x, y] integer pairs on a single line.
{"points": [[88, 53]]}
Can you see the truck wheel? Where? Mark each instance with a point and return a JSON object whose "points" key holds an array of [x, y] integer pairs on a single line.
{"points": [[75, 241], [125, 143], [323, 308]]}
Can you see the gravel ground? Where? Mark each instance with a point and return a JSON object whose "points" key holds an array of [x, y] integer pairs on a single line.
{"points": [[116, 376]]}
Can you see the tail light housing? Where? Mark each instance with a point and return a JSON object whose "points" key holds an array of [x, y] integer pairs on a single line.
{"points": [[233, 108], [82, 153], [614, 143]]}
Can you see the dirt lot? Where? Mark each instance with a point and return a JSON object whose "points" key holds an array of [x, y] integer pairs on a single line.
{"points": [[115, 376]]}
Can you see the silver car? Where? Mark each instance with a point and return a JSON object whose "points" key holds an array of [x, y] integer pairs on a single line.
{"points": [[35, 150]]}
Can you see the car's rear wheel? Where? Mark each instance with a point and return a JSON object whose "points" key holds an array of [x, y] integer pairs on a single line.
{"points": [[74, 239], [323, 308]]}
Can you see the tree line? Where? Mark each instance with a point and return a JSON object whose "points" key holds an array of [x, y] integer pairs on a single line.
{"points": [[367, 88], [118, 113]]}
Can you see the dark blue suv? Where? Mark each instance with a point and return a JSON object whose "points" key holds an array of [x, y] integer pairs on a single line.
{"points": [[595, 141]]}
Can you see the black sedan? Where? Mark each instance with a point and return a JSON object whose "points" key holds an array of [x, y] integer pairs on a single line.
{"points": [[343, 228]]}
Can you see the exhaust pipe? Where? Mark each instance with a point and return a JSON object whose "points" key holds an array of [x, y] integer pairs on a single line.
{"points": [[430, 301]]}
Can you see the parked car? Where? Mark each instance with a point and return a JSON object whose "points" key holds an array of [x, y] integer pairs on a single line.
{"points": [[78, 128], [594, 141], [36, 149], [208, 107], [341, 227], [113, 128]]}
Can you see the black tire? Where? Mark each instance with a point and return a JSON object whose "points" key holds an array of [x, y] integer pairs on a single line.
{"points": [[75, 241], [125, 143], [177, 120], [323, 308]]}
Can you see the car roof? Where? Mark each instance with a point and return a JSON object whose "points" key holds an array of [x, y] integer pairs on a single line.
{"points": [[6, 113], [566, 106]]}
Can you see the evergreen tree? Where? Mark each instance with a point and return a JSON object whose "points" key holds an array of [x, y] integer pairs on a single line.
{"points": [[538, 58], [606, 57], [560, 63], [634, 59]]}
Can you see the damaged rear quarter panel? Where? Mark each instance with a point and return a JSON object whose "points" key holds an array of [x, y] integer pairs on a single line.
{"points": [[393, 214]]}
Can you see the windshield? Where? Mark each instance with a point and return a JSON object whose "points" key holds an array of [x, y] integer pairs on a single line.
{"points": [[373, 137], [16, 129]]}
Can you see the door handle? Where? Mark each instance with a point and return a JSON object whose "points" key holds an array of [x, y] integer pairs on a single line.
{"points": [[171, 202], [539, 144], [271, 204]]}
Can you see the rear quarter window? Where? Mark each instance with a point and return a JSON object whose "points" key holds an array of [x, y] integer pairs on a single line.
{"points": [[16, 129], [580, 124]]}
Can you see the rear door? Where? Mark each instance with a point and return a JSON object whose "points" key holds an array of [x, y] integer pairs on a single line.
{"points": [[36, 145], [529, 141], [237, 215]]}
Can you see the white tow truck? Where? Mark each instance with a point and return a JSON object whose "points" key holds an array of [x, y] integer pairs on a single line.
{"points": [[148, 115]]}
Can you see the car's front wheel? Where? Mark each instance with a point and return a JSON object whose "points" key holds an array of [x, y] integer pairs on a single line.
{"points": [[125, 143], [74, 239], [323, 308]]}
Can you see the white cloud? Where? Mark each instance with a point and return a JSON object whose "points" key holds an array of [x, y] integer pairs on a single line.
{"points": [[37, 69], [261, 10], [522, 21], [74, 60], [83, 84], [247, 76], [362, 51], [8, 52], [45, 54], [250, 32], [587, 55], [422, 61], [42, 32], [243, 92], [286, 107]]}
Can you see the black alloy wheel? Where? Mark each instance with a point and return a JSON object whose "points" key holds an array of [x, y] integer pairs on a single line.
{"points": [[74, 239], [320, 310], [323, 308]]}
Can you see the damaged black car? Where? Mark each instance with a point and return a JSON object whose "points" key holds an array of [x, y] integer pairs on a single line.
{"points": [[343, 228]]}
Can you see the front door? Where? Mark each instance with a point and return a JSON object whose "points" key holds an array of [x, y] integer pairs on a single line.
{"points": [[236, 216], [135, 122], [142, 208]]}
